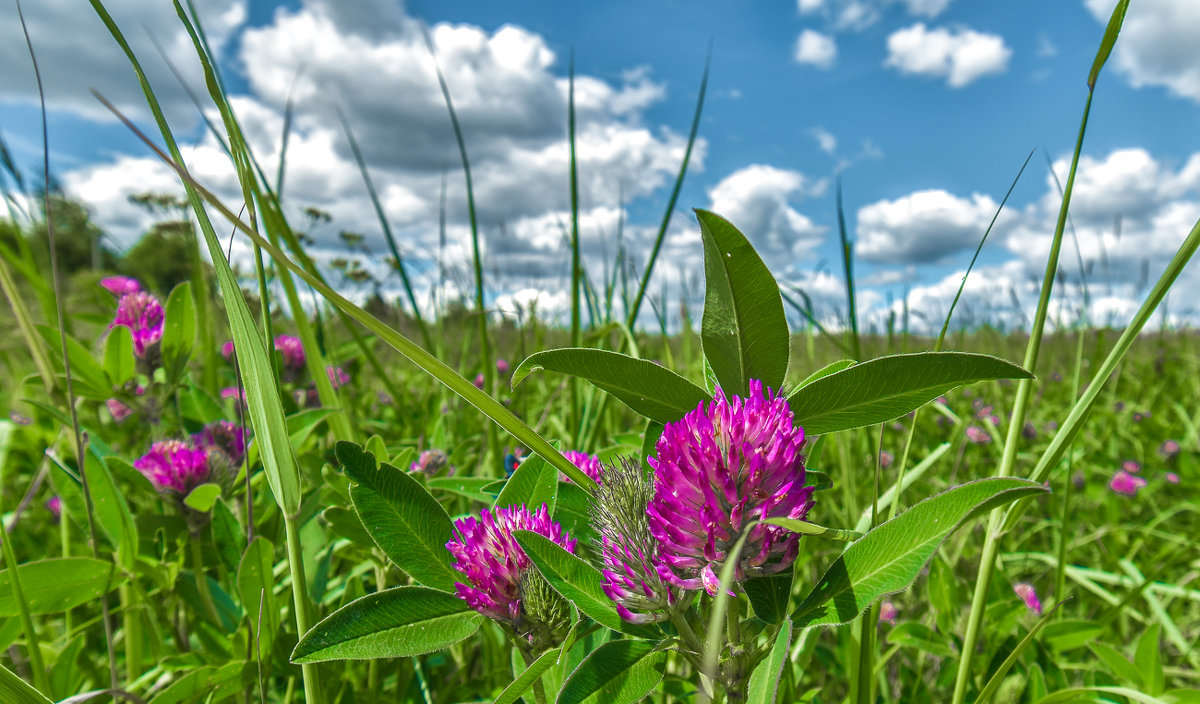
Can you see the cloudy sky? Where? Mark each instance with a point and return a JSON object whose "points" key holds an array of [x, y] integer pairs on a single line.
{"points": [[925, 108]]}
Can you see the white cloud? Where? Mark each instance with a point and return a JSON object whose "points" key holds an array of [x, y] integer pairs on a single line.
{"points": [[922, 227], [75, 52], [1046, 47], [758, 199], [815, 49], [825, 140], [926, 8], [961, 56], [1157, 46]]}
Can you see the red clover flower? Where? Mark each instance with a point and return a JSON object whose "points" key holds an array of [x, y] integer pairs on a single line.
{"points": [[590, 464], [501, 580], [143, 315], [174, 466], [1125, 483], [120, 285], [1028, 595], [292, 351], [719, 468]]}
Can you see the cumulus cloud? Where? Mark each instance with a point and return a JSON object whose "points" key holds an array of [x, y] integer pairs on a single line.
{"points": [[825, 140], [815, 49], [758, 199], [961, 56], [922, 227], [1158, 44], [75, 53], [926, 8]]}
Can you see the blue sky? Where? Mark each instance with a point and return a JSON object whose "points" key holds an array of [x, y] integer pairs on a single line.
{"points": [[925, 108]]}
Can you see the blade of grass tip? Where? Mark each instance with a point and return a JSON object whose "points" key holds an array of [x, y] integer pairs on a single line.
{"points": [[848, 264], [428, 363], [387, 230], [289, 110], [1083, 320], [489, 371], [979, 248], [806, 313], [56, 281], [576, 324], [1024, 387], [33, 341], [250, 176], [634, 308]]}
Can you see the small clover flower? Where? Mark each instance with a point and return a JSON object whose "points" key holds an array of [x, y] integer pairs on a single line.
{"points": [[502, 365], [633, 570], [478, 381], [1131, 466], [120, 285], [1168, 449], [224, 437], [1028, 595], [337, 376], [143, 315], [118, 410], [978, 435], [888, 613], [227, 350], [1125, 483], [498, 570], [431, 462], [590, 464], [718, 468], [174, 466], [54, 506], [1172, 478], [292, 351]]}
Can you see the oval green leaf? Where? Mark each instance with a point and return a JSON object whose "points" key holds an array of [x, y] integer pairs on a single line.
{"points": [[179, 331], [203, 497], [512, 693], [534, 483], [256, 589], [395, 623], [58, 584], [650, 389], [404, 520], [618, 672], [119, 362], [889, 558], [888, 387], [764, 681], [743, 330]]}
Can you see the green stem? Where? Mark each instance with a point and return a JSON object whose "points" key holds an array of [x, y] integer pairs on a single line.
{"points": [[133, 633], [312, 685], [202, 579], [987, 562], [539, 690]]}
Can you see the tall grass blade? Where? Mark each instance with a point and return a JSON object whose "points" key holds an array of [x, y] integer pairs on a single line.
{"points": [[387, 231], [848, 266]]}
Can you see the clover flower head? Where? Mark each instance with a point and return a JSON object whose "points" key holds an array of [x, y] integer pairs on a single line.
{"points": [[1125, 483], [888, 613], [1131, 466], [885, 459], [632, 570], [120, 285], [227, 350], [143, 315], [224, 437], [978, 435], [118, 410], [590, 464], [502, 365], [174, 466], [292, 351], [54, 506], [1172, 478], [479, 381], [1168, 449], [720, 467], [337, 376], [488, 555], [1028, 595], [431, 462]]}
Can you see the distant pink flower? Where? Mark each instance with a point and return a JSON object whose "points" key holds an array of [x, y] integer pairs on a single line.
{"points": [[120, 285], [1139, 416], [143, 315], [994, 419], [888, 613], [238, 396], [225, 437], [978, 435], [502, 365], [984, 411], [431, 462], [1131, 466], [1125, 483], [337, 376], [227, 349], [479, 381], [1028, 595], [1168, 449], [19, 419], [1172, 478], [54, 505], [488, 555], [292, 351], [885, 459], [590, 464], [118, 410], [943, 400], [174, 466]]}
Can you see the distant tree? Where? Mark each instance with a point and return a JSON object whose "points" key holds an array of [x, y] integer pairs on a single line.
{"points": [[163, 257]]}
